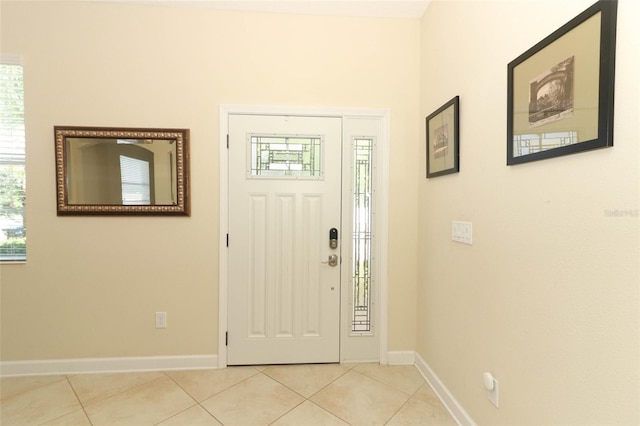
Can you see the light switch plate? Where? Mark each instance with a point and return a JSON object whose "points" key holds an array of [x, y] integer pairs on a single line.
{"points": [[462, 232]]}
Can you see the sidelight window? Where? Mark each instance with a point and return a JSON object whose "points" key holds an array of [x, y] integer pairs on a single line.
{"points": [[362, 234]]}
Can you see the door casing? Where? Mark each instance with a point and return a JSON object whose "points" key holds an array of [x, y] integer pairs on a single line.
{"points": [[382, 210]]}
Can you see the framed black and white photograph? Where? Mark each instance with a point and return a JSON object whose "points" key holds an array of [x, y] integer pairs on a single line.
{"points": [[443, 140], [560, 92]]}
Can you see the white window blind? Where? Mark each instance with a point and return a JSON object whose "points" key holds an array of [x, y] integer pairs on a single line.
{"points": [[134, 175], [12, 161]]}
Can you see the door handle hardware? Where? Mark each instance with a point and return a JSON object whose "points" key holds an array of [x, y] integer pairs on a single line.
{"points": [[332, 261]]}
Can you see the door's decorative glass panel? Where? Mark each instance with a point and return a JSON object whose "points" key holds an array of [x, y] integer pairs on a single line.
{"points": [[297, 157], [362, 234]]}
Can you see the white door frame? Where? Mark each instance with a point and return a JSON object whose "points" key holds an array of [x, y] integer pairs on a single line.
{"points": [[382, 210]]}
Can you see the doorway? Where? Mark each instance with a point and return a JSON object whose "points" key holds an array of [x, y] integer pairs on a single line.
{"points": [[286, 184], [285, 188]]}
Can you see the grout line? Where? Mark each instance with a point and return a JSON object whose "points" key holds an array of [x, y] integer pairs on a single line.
{"points": [[391, 386], [330, 383], [398, 410], [178, 413], [78, 398], [197, 403], [255, 373], [211, 414], [330, 412], [288, 411], [62, 377], [305, 399], [349, 369]]}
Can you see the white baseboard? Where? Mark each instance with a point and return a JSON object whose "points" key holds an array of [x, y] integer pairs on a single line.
{"points": [[455, 409], [401, 358], [107, 365]]}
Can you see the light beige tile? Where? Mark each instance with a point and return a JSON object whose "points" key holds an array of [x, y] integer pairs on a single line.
{"points": [[405, 378], [423, 408], [258, 400], [10, 386], [149, 403], [363, 394], [77, 418], [309, 414], [194, 416], [92, 388], [202, 384], [417, 412], [39, 405], [306, 379], [360, 400], [426, 394]]}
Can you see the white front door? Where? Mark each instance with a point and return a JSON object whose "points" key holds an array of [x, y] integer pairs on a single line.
{"points": [[284, 199]]}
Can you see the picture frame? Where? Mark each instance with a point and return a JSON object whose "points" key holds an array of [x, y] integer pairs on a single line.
{"points": [[560, 92], [443, 139]]}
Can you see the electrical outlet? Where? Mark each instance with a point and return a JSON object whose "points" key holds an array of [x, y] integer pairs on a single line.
{"points": [[161, 320]]}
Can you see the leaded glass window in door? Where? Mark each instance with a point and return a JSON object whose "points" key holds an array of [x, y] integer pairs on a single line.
{"points": [[293, 157], [362, 234]]}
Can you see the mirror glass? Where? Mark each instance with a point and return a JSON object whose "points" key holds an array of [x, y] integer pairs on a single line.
{"points": [[122, 171]]}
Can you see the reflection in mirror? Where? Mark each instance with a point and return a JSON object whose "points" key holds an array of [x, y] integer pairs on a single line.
{"points": [[122, 171]]}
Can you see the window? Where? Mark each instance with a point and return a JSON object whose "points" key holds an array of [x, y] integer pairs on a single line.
{"points": [[13, 234], [286, 157], [134, 175], [362, 234]]}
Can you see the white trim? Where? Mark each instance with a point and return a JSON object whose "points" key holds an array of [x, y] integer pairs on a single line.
{"points": [[450, 402], [401, 357], [223, 273], [107, 365], [10, 59], [382, 235], [382, 209]]}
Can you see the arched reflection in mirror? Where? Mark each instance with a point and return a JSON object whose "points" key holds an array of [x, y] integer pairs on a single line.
{"points": [[122, 171]]}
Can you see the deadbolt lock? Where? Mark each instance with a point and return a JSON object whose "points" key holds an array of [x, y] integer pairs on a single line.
{"points": [[333, 238]]}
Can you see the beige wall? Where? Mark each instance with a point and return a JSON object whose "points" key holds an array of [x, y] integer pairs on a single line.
{"points": [[546, 298], [91, 285]]}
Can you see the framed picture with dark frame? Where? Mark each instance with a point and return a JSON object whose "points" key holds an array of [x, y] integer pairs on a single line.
{"points": [[443, 140], [560, 91]]}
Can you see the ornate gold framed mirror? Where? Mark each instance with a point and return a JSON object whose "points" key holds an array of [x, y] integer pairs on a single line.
{"points": [[122, 171]]}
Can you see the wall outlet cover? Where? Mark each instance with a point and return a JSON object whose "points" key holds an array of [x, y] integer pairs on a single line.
{"points": [[161, 320]]}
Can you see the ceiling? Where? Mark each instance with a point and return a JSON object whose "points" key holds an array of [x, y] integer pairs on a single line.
{"points": [[368, 8]]}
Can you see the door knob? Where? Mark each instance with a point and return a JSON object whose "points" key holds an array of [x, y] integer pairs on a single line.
{"points": [[333, 260]]}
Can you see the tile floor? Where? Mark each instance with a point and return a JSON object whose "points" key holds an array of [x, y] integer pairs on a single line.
{"points": [[300, 395]]}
